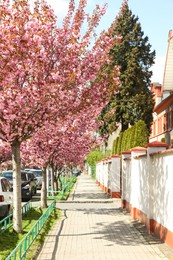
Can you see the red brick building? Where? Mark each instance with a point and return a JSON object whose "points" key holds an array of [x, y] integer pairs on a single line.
{"points": [[162, 128]]}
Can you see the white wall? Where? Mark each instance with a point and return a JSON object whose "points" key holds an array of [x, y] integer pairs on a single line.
{"points": [[108, 173], [115, 174], [148, 185], [162, 169]]}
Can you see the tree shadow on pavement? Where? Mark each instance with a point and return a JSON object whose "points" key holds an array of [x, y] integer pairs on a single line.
{"points": [[124, 232]]}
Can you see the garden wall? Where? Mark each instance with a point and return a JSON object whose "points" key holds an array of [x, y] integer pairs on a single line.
{"points": [[146, 186]]}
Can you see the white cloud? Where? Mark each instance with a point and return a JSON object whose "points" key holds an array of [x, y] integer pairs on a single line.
{"points": [[60, 7], [158, 69]]}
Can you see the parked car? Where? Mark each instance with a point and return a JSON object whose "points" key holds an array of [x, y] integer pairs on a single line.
{"points": [[28, 183], [6, 195], [38, 174], [76, 173], [34, 182]]}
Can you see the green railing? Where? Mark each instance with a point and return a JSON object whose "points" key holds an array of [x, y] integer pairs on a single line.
{"points": [[66, 185], [26, 207], [20, 251], [8, 221]]}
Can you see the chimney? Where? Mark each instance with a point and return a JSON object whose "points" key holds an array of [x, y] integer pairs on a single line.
{"points": [[156, 89]]}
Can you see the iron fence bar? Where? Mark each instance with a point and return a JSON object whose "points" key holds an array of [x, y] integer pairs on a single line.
{"points": [[7, 222], [22, 248]]}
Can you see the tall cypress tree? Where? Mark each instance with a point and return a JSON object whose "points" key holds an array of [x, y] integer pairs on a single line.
{"points": [[133, 54]]}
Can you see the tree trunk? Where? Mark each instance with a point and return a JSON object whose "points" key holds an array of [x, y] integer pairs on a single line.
{"points": [[59, 179], [52, 180], [17, 200], [44, 190], [56, 179]]}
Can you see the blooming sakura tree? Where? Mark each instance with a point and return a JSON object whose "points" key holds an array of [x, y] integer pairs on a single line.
{"points": [[65, 143], [26, 40], [5, 152], [46, 72]]}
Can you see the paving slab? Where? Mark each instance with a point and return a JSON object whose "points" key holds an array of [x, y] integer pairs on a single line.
{"points": [[94, 226]]}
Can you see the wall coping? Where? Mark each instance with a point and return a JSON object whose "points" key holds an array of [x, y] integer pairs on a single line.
{"points": [[126, 152], [115, 156], [157, 144], [138, 148], [108, 159]]}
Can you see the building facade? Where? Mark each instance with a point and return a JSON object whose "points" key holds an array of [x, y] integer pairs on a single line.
{"points": [[162, 128]]}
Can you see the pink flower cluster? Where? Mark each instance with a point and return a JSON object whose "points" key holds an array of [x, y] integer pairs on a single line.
{"points": [[51, 85]]}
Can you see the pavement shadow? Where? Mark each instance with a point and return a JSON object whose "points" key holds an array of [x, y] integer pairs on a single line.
{"points": [[122, 232]]}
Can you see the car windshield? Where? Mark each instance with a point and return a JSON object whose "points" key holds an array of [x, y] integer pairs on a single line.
{"points": [[38, 173], [8, 175]]}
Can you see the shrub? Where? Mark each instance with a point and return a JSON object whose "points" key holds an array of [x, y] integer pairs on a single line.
{"points": [[136, 135]]}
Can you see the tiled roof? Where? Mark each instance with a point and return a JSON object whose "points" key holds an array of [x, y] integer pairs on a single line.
{"points": [[168, 73], [164, 104]]}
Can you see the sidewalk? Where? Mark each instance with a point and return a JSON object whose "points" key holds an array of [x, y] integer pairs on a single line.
{"points": [[94, 227]]}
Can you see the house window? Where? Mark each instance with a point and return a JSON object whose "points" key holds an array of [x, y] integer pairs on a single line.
{"points": [[171, 119], [160, 125], [165, 126], [154, 128], [167, 121]]}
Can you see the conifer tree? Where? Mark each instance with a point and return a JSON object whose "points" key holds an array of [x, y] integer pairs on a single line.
{"points": [[133, 101]]}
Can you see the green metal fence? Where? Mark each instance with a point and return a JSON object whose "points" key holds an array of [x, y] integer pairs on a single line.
{"points": [[66, 185], [8, 221], [20, 251]]}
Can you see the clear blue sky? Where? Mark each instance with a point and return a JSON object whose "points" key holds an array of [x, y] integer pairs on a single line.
{"points": [[155, 16]]}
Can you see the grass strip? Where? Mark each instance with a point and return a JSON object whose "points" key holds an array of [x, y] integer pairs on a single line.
{"points": [[10, 239]]}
